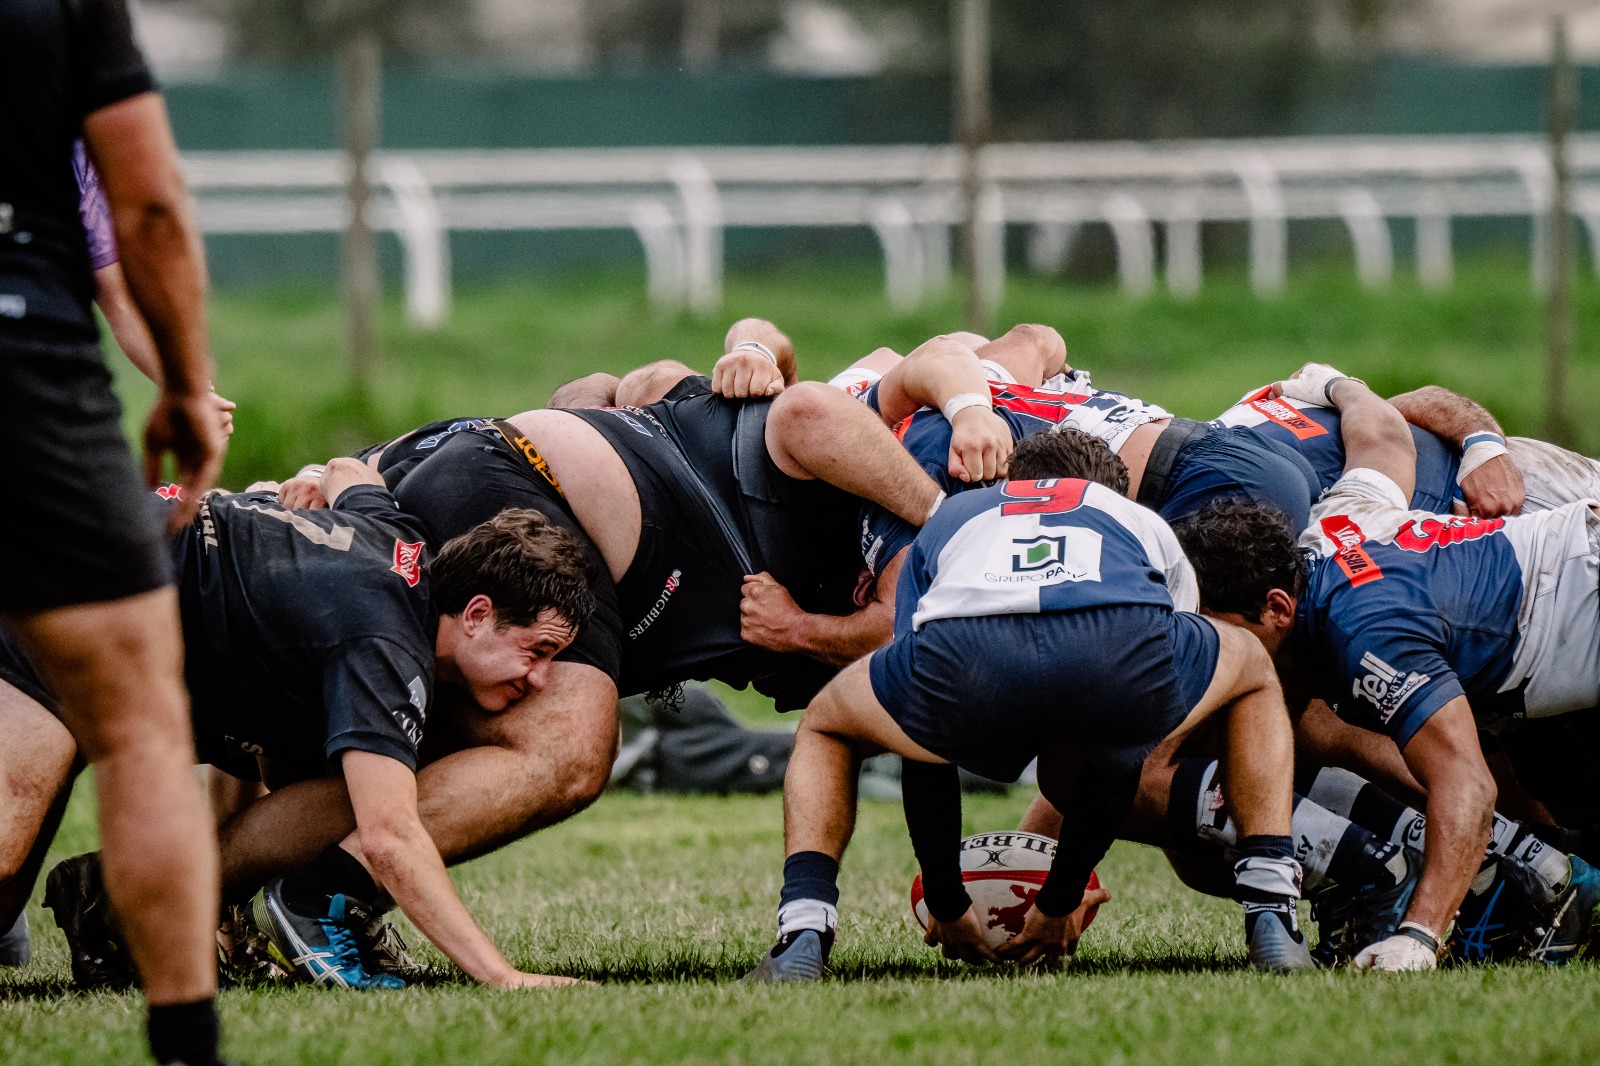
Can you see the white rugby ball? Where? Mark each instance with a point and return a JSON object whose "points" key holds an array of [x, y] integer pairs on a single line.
{"points": [[1003, 872]]}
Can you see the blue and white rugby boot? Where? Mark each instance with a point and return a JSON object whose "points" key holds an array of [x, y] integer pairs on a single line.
{"points": [[1572, 916], [801, 956], [324, 948]]}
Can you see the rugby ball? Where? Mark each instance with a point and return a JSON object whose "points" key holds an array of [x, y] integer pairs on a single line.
{"points": [[1002, 872]]}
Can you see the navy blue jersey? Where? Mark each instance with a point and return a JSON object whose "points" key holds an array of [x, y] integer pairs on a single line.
{"points": [[1405, 611], [1313, 431], [309, 633], [1040, 547]]}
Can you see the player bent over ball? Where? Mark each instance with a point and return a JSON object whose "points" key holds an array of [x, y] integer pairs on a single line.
{"points": [[315, 640], [1038, 618]]}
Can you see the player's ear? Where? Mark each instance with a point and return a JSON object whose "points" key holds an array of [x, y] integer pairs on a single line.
{"points": [[1279, 609], [478, 613]]}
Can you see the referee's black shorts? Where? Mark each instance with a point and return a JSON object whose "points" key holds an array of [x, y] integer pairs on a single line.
{"points": [[76, 525]]}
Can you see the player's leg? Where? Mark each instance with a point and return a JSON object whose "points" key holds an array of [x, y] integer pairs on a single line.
{"points": [[530, 766], [36, 762], [116, 669], [842, 726], [815, 431]]}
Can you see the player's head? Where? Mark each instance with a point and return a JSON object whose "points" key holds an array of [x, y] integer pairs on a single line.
{"points": [[1250, 570], [511, 594], [1068, 453]]}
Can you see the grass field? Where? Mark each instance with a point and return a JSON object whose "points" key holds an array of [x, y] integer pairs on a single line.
{"points": [[664, 900]]}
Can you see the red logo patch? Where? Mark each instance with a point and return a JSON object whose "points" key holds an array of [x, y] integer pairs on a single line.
{"points": [[1288, 417], [408, 561], [1419, 536], [170, 492], [1353, 558]]}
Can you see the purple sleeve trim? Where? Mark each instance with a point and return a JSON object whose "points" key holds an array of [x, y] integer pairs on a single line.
{"points": [[94, 210]]}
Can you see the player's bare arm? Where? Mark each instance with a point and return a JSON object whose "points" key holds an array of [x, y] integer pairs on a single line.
{"points": [[1490, 480], [757, 360], [769, 618], [946, 375], [1375, 436], [1446, 759], [133, 149], [1030, 353], [403, 860]]}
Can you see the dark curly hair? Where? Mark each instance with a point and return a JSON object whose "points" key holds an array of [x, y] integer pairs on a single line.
{"points": [[1068, 453], [1241, 551], [522, 562]]}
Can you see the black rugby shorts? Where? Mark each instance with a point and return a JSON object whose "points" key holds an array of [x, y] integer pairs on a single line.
{"points": [[76, 526]]}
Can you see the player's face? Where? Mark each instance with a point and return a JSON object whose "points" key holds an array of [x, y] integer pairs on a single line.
{"points": [[499, 665]]}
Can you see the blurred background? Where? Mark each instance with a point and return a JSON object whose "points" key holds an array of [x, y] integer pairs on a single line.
{"points": [[1199, 193]]}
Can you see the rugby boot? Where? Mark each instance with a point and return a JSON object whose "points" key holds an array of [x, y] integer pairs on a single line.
{"points": [[1330, 909], [1377, 911], [1500, 916], [1275, 945], [801, 956], [1572, 916], [243, 955], [75, 892], [322, 948], [15, 947], [384, 950]]}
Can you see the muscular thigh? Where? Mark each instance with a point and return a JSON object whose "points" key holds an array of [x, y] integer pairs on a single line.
{"points": [[36, 759]]}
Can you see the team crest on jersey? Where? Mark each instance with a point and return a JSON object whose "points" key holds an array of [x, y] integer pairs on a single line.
{"points": [[1040, 553], [408, 561], [1351, 556], [170, 492], [1419, 535]]}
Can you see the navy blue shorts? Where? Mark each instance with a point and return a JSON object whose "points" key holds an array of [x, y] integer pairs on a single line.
{"points": [[1236, 462], [990, 693]]}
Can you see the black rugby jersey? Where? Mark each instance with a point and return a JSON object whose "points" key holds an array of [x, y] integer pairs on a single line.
{"points": [[309, 632]]}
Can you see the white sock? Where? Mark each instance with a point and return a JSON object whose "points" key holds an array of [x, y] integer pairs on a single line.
{"points": [[801, 914]]}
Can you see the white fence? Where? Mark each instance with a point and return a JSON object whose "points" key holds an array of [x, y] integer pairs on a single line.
{"points": [[679, 202]]}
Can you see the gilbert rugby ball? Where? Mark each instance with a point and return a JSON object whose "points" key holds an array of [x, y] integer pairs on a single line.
{"points": [[1002, 872]]}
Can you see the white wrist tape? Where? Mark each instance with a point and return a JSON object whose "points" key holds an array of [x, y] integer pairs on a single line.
{"points": [[757, 347], [1477, 449], [960, 402]]}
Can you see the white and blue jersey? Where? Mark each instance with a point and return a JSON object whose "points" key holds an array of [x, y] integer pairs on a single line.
{"points": [[1040, 612], [1039, 547], [1405, 610], [1313, 431]]}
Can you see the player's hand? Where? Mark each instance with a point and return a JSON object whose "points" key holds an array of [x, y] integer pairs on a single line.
{"points": [[302, 493], [739, 375], [1495, 489], [1045, 939], [980, 444], [1312, 383], [768, 615], [518, 979], [961, 939], [184, 425], [1396, 954], [225, 409]]}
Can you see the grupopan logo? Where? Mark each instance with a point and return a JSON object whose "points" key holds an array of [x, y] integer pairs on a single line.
{"points": [[1038, 553]]}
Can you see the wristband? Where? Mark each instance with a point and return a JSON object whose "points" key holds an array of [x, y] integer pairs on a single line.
{"points": [[757, 347], [1327, 390], [1421, 934], [937, 500], [960, 402], [1477, 449]]}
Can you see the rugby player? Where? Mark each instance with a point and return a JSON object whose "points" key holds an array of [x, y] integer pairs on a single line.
{"points": [[1421, 628], [88, 590], [1023, 571], [315, 640], [672, 504]]}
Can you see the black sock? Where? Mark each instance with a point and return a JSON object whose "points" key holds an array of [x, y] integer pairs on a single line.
{"points": [[810, 875], [184, 1032], [335, 871]]}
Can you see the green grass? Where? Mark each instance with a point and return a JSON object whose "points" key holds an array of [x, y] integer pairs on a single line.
{"points": [[508, 345], [663, 901]]}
